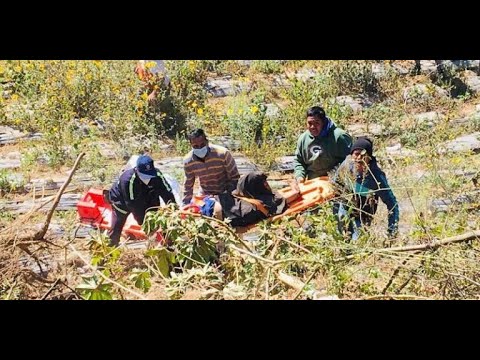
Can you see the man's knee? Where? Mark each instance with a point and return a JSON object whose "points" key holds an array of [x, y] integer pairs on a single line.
{"points": [[118, 221], [217, 211]]}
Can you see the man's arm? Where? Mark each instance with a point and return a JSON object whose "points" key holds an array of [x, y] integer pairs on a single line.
{"points": [[387, 196], [188, 185], [299, 166], [232, 171], [127, 189], [165, 190], [130, 195], [344, 145]]}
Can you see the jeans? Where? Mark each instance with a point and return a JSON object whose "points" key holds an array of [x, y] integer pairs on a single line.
{"points": [[118, 221], [347, 222]]}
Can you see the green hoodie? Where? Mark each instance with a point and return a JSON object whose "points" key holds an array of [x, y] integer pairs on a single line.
{"points": [[315, 156]]}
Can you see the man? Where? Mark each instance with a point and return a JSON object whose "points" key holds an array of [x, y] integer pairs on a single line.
{"points": [[137, 190], [161, 111], [213, 165], [154, 74], [321, 148], [364, 183]]}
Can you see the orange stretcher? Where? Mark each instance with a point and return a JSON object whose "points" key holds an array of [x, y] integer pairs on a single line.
{"points": [[94, 210], [312, 193]]}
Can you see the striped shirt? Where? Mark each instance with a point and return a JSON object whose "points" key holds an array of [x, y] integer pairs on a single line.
{"points": [[217, 172]]}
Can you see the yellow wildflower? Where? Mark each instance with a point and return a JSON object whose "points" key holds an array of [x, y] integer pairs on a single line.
{"points": [[150, 64]]}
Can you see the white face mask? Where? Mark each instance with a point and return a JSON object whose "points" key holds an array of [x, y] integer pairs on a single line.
{"points": [[201, 153], [145, 179]]}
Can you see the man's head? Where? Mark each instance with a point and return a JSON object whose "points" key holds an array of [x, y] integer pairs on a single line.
{"points": [[363, 143], [146, 168], [253, 185], [362, 152], [199, 142], [316, 120]]}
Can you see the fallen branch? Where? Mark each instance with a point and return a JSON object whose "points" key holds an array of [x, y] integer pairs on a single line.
{"points": [[395, 274], [269, 270], [11, 289], [299, 285], [71, 289], [454, 239], [296, 245], [412, 274], [405, 283], [471, 235], [306, 283], [466, 278], [40, 234], [26, 249], [394, 297], [26, 217], [36, 277], [257, 257], [50, 290], [291, 281]]}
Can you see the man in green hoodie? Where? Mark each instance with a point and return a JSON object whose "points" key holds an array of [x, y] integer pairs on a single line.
{"points": [[321, 148]]}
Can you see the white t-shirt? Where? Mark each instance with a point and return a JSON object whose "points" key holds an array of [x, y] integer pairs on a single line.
{"points": [[160, 68]]}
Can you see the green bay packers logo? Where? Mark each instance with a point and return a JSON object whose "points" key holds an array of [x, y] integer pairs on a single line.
{"points": [[316, 150]]}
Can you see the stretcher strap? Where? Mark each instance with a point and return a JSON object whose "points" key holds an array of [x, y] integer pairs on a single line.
{"points": [[258, 204]]}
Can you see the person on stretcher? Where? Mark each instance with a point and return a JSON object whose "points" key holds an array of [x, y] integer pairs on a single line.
{"points": [[252, 202]]}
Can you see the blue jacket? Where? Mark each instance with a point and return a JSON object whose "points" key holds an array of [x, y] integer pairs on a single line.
{"points": [[366, 189], [130, 194]]}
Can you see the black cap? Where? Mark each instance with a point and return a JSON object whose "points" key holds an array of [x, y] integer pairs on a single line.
{"points": [[364, 144]]}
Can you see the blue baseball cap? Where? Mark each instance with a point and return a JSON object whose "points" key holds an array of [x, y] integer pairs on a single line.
{"points": [[145, 167]]}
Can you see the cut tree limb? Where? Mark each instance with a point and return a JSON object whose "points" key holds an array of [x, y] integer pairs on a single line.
{"points": [[306, 283], [299, 285], [291, 281], [50, 290], [40, 234], [470, 235], [395, 274], [395, 297], [6, 234]]}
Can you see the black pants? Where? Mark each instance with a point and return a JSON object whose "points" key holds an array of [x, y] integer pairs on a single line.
{"points": [[118, 221]]}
